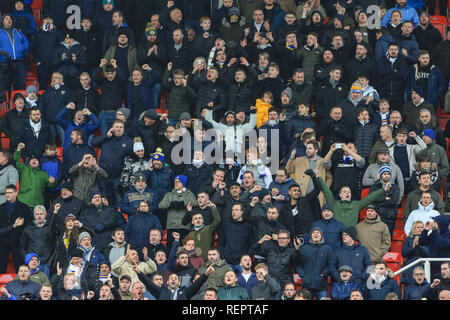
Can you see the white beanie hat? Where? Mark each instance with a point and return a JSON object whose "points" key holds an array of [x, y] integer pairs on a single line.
{"points": [[138, 146]]}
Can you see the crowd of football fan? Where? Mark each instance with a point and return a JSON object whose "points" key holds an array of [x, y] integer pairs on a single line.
{"points": [[196, 149]]}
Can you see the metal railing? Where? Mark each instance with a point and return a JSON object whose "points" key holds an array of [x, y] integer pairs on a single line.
{"points": [[426, 266]]}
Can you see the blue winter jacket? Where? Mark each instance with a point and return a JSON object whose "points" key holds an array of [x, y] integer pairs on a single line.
{"points": [[252, 281], [52, 165], [114, 151], [332, 231], [138, 228], [145, 92], [410, 255], [436, 84], [18, 50], [132, 198], [160, 180], [355, 256], [416, 292], [379, 293], [382, 45], [341, 291], [416, 4], [283, 189], [408, 14], [88, 127], [438, 241], [24, 19]]}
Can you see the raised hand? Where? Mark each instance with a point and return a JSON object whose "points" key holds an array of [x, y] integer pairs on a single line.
{"points": [[56, 208], [19, 222], [176, 236], [20, 146]]}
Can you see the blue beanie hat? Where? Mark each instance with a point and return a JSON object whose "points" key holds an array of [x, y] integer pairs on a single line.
{"points": [[93, 193], [429, 133], [158, 155], [384, 168], [183, 179], [418, 90]]}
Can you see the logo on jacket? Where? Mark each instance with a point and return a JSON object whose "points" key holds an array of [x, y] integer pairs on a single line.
{"points": [[124, 145]]}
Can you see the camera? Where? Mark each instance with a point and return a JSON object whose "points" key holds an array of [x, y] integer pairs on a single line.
{"points": [[338, 146]]}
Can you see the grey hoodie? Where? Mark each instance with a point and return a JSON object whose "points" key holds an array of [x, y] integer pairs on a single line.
{"points": [[370, 176]]}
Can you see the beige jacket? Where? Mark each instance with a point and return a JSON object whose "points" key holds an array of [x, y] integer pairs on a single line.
{"points": [[375, 236], [298, 168], [123, 267]]}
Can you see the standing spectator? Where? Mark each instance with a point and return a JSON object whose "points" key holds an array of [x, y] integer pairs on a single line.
{"points": [[266, 288], [440, 55], [44, 45], [436, 152], [90, 39], [427, 36], [313, 267], [179, 51], [407, 42], [424, 163], [113, 30], [15, 119], [334, 129], [8, 174], [391, 72], [352, 254], [117, 248], [221, 267], [115, 147], [33, 180], [16, 45], [86, 96], [36, 239], [342, 288], [246, 277], [100, 218], [387, 203], [11, 211], [408, 13], [70, 60], [54, 99], [176, 202], [374, 234], [411, 109], [424, 213], [139, 192], [332, 229], [441, 283]]}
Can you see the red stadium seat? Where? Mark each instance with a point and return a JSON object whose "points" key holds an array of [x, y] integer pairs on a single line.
{"points": [[5, 142], [362, 213], [398, 237], [440, 23], [394, 262], [5, 278], [297, 282], [399, 224]]}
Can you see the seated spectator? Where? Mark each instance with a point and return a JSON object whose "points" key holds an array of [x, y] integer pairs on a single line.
{"points": [[419, 288], [387, 203], [331, 228], [424, 164], [372, 174], [343, 256], [436, 152], [140, 192], [313, 264], [346, 166], [374, 234], [342, 288], [231, 290], [380, 283], [302, 294], [23, 288], [30, 175], [33, 262], [82, 118]]}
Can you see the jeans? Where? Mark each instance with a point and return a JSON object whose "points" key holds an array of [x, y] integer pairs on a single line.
{"points": [[110, 187], [156, 93], [106, 121], [57, 132], [18, 75], [318, 293]]}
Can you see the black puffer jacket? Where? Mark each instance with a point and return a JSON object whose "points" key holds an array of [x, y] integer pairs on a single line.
{"points": [[365, 137], [103, 221], [196, 176], [38, 240], [279, 259], [70, 205], [44, 46], [67, 66], [327, 97], [237, 239], [210, 92], [242, 95]]}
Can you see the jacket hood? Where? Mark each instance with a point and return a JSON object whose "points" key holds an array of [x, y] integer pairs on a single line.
{"points": [[75, 42], [376, 220], [426, 208], [4, 16], [433, 167], [443, 222], [28, 258]]}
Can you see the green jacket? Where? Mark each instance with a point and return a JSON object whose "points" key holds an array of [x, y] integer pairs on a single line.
{"points": [[38, 277], [180, 98], [215, 280], [347, 212], [308, 59], [132, 58], [205, 236], [176, 214], [378, 146], [232, 293], [33, 183]]}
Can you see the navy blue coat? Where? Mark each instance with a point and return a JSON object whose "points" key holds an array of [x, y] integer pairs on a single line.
{"points": [[314, 265], [341, 291], [382, 46], [391, 77], [332, 231], [297, 124], [355, 256], [410, 255], [53, 101], [387, 286], [416, 292], [17, 287], [439, 241], [138, 228], [436, 84], [237, 239], [252, 281], [132, 198], [114, 151], [145, 91], [160, 180]]}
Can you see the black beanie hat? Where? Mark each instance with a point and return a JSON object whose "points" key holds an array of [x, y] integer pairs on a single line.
{"points": [[351, 231]]}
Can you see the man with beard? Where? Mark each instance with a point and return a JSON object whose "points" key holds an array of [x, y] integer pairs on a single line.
{"points": [[361, 64], [354, 103], [322, 69], [246, 277], [288, 292], [124, 52], [427, 36], [428, 121], [152, 51], [428, 77], [407, 43], [179, 52]]}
